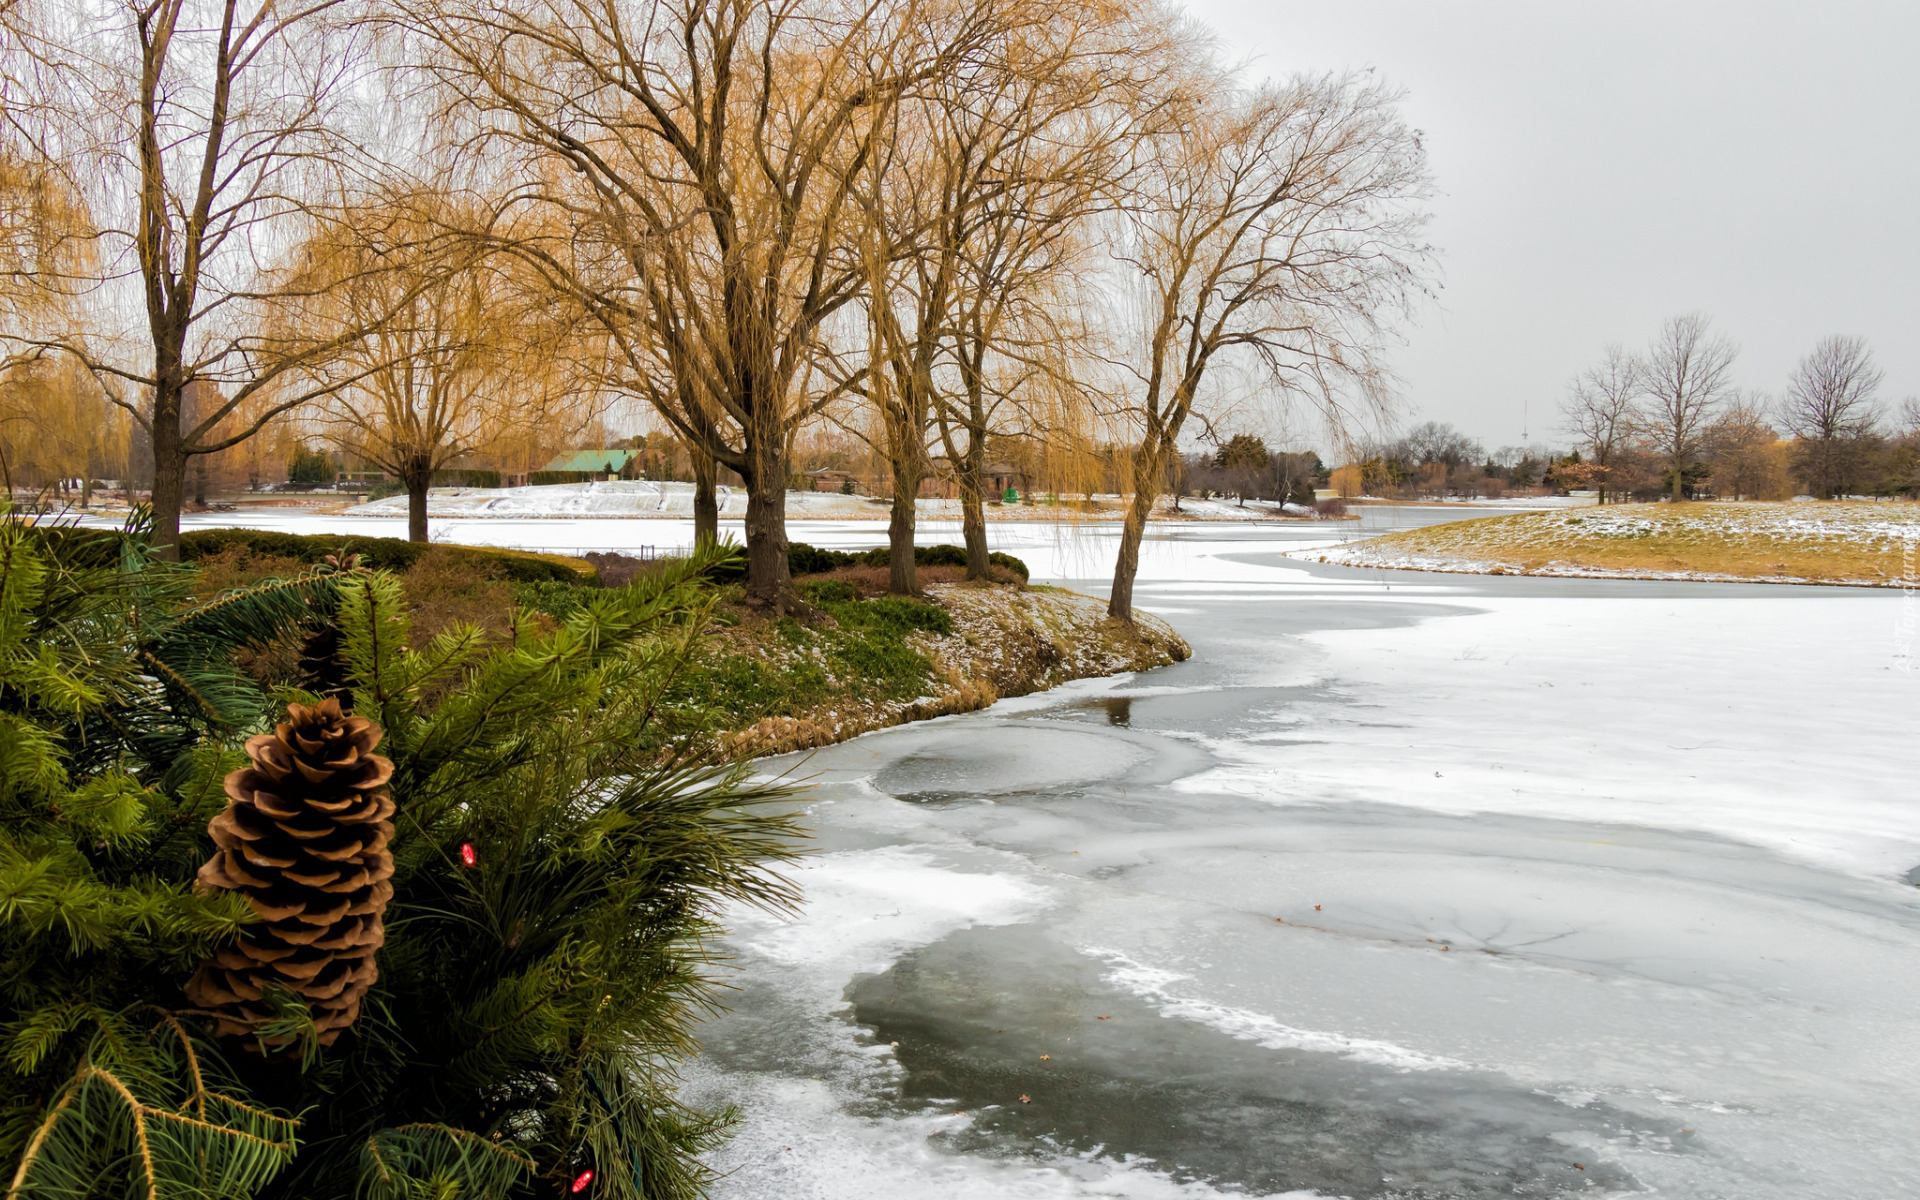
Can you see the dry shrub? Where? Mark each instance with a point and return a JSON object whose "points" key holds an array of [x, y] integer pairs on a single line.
{"points": [[445, 588], [238, 567], [618, 570], [278, 661]]}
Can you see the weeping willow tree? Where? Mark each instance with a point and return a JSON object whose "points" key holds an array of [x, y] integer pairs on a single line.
{"points": [[1279, 226], [554, 884]]}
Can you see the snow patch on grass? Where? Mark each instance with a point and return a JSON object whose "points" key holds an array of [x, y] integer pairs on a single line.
{"points": [[1860, 544]]}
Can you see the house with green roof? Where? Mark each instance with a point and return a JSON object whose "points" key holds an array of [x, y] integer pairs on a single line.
{"points": [[582, 466]]}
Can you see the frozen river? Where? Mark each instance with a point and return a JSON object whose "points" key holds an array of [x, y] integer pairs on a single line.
{"points": [[1403, 886]]}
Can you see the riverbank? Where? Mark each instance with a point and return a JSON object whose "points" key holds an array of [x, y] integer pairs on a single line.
{"points": [[1858, 544], [867, 664], [861, 660]]}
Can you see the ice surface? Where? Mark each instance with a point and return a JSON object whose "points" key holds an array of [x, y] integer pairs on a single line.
{"points": [[1403, 886], [1160, 988]]}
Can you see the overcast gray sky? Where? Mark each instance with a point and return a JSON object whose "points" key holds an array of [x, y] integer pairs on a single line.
{"points": [[1606, 165]]}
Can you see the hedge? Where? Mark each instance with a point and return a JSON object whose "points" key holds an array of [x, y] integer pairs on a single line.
{"points": [[389, 554], [465, 477], [803, 559]]}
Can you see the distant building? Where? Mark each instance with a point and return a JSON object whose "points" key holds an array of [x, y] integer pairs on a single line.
{"points": [[996, 478], [827, 479], [587, 465]]}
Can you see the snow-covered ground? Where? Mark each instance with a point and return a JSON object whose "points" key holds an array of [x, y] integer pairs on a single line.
{"points": [[1403, 886], [613, 498], [639, 498], [1862, 543]]}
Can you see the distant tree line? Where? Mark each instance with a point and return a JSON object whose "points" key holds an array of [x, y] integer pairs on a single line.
{"points": [[1244, 469], [1434, 460], [1668, 420]]}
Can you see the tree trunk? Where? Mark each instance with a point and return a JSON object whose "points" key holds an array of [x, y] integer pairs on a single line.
{"points": [[901, 577], [1146, 475], [973, 514], [769, 583], [417, 478], [706, 506], [169, 471], [169, 483], [1678, 472]]}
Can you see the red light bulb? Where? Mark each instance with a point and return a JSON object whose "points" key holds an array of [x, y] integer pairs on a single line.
{"points": [[468, 857], [582, 1180]]}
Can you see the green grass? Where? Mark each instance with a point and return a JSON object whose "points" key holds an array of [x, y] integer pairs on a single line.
{"points": [[759, 668], [860, 656]]}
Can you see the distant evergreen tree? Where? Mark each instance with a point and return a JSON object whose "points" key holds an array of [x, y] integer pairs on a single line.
{"points": [[310, 466]]}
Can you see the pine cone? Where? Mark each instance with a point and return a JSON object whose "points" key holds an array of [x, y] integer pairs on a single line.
{"points": [[305, 839]]}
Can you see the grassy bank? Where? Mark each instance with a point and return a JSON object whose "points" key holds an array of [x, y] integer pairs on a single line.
{"points": [[868, 663], [761, 685], [1848, 543]]}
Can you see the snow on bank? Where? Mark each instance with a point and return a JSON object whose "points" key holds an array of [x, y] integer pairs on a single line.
{"points": [[1005, 642], [611, 498], [1857, 544]]}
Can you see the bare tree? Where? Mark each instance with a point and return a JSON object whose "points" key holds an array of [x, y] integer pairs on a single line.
{"points": [[1601, 413], [204, 133], [460, 353], [1742, 454], [1903, 451], [973, 210], [1033, 158], [1281, 225], [1438, 442], [1829, 407], [685, 169], [1685, 377]]}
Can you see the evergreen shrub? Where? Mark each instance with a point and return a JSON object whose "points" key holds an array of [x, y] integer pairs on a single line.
{"points": [[558, 872]]}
